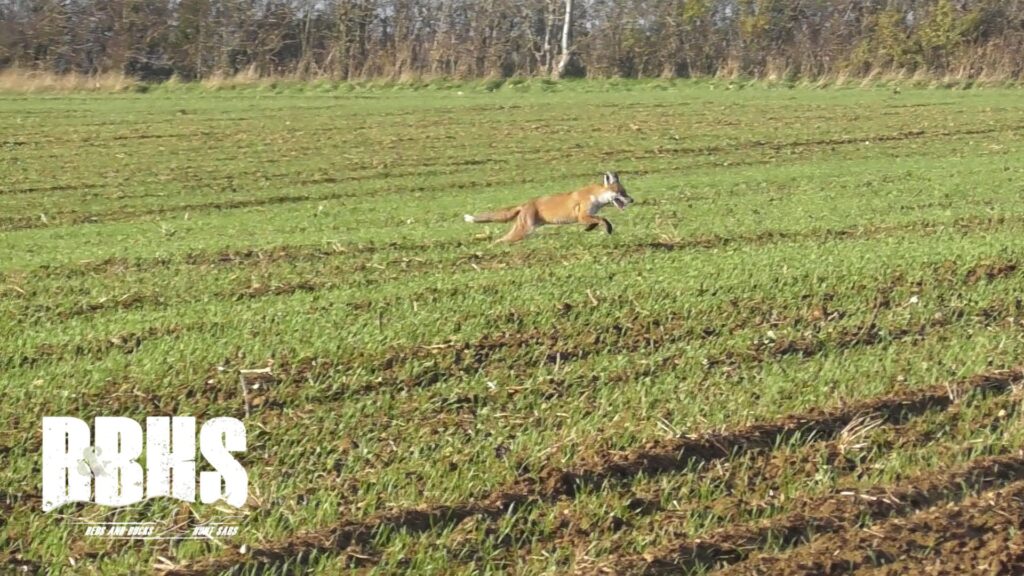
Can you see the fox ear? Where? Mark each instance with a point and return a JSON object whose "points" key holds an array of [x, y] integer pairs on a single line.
{"points": [[615, 177], [608, 178]]}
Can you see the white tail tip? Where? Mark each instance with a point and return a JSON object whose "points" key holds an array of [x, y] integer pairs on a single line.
{"points": [[468, 218]]}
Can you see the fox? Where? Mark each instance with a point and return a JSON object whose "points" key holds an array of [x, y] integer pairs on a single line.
{"points": [[579, 206]]}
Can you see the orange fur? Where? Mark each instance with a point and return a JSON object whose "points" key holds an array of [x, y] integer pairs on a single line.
{"points": [[579, 206]]}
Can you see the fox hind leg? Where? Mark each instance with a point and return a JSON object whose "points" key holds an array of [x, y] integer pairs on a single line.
{"points": [[516, 234], [525, 224]]}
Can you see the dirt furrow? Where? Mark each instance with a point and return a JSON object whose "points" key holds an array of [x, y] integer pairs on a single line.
{"points": [[924, 227], [750, 482], [433, 364], [812, 337], [409, 255], [75, 218], [468, 358], [655, 458], [124, 342], [834, 513], [679, 454], [981, 534], [416, 164]]}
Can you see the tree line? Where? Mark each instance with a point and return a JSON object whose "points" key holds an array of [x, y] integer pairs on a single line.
{"points": [[400, 39]]}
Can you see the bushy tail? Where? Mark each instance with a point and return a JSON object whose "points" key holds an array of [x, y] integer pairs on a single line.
{"points": [[497, 216]]}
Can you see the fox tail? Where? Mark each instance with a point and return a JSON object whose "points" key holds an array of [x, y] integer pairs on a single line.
{"points": [[497, 216]]}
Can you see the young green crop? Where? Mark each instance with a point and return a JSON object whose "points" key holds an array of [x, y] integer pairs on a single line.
{"points": [[789, 250]]}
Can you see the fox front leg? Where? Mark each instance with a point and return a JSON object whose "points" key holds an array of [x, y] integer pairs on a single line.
{"points": [[591, 222]]}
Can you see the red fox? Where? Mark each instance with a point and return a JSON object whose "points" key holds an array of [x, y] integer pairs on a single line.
{"points": [[579, 206]]}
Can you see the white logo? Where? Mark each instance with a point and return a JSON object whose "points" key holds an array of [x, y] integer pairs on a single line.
{"points": [[71, 462]]}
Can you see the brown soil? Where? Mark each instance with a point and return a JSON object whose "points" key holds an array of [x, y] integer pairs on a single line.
{"points": [[656, 458], [450, 360], [247, 257], [990, 271], [838, 513], [678, 454], [710, 241], [298, 549], [981, 535], [752, 483], [72, 217], [125, 342]]}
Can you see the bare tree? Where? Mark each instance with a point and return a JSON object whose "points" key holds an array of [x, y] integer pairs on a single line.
{"points": [[566, 57], [351, 39]]}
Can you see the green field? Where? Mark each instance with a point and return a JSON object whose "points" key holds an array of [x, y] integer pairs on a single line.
{"points": [[804, 337]]}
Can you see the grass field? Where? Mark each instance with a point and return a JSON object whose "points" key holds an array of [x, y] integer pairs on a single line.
{"points": [[800, 350]]}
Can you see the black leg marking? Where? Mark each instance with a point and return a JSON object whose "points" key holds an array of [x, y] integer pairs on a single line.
{"points": [[607, 226]]}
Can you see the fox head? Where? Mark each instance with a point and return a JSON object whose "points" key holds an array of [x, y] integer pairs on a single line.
{"points": [[620, 197]]}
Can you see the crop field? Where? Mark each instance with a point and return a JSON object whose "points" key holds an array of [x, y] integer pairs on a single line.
{"points": [[801, 351]]}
